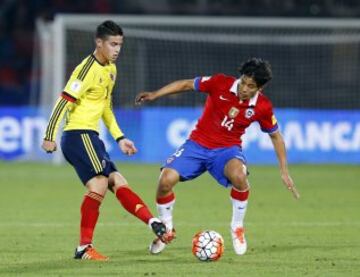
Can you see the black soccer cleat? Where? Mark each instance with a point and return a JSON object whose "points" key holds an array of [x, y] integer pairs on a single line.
{"points": [[159, 229], [163, 234], [89, 253]]}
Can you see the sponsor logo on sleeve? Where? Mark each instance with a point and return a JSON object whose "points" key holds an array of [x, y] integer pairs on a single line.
{"points": [[273, 120], [75, 86]]}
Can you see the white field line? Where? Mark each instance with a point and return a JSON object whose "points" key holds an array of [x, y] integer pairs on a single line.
{"points": [[186, 224]]}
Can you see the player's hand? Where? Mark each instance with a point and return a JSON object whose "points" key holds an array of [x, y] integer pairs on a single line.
{"points": [[127, 147], [49, 146], [144, 97], [289, 183]]}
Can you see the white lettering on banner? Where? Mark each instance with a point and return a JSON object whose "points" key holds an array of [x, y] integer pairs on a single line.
{"points": [[26, 134], [341, 135], [265, 141], [318, 136], [178, 131], [293, 135], [31, 126], [10, 133], [356, 139], [254, 134], [312, 136]]}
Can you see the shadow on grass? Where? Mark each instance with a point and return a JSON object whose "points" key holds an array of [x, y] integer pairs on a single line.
{"points": [[182, 255], [118, 259]]}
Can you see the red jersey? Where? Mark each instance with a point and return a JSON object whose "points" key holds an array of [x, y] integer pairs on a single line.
{"points": [[225, 117]]}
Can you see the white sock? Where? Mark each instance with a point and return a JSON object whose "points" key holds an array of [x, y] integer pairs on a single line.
{"points": [[165, 213], [82, 247], [238, 215], [154, 219]]}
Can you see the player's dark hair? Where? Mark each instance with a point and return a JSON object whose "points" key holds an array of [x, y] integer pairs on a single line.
{"points": [[108, 28], [258, 69]]}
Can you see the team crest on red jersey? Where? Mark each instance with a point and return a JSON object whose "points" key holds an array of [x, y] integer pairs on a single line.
{"points": [[249, 113], [233, 112]]}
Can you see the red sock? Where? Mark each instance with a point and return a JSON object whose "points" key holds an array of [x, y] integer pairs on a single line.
{"points": [[89, 215], [239, 195], [165, 199], [133, 204]]}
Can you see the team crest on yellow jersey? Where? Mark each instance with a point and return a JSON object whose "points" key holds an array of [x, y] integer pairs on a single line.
{"points": [[233, 112], [112, 77]]}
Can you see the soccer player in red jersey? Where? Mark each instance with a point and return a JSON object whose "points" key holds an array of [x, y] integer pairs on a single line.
{"points": [[87, 99], [215, 143]]}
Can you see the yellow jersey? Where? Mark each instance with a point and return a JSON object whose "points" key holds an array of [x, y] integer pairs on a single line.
{"points": [[87, 98]]}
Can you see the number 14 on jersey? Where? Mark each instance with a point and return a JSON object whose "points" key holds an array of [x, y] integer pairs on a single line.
{"points": [[227, 123]]}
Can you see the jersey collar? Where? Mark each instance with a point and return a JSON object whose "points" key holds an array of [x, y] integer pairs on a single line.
{"points": [[97, 60], [233, 89]]}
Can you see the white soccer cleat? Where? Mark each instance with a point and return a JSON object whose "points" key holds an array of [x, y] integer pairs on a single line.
{"points": [[156, 246], [159, 244], [239, 241]]}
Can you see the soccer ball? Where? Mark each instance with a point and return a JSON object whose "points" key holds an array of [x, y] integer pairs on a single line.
{"points": [[208, 246]]}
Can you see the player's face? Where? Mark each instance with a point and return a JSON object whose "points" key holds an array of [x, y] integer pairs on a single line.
{"points": [[247, 87], [110, 47]]}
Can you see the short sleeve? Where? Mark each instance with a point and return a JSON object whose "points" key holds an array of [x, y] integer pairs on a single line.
{"points": [[80, 80], [267, 121], [206, 83]]}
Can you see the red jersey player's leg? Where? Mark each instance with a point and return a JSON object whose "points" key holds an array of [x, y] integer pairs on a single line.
{"points": [[187, 163], [229, 169]]}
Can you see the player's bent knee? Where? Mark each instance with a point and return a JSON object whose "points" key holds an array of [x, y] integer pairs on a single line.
{"points": [[116, 180], [168, 177], [165, 187], [98, 184], [239, 181], [167, 181]]}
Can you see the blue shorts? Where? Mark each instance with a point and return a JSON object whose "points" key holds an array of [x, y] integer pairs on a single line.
{"points": [[85, 151], [191, 160]]}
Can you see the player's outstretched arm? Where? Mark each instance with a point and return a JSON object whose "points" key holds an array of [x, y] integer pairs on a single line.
{"points": [[172, 88], [279, 146]]}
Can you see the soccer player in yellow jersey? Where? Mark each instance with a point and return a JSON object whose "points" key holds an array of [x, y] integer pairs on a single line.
{"points": [[85, 100]]}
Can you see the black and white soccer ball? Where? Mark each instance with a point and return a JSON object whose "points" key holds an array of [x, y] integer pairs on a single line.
{"points": [[208, 246]]}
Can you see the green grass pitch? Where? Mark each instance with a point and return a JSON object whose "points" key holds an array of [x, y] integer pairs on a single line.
{"points": [[319, 235]]}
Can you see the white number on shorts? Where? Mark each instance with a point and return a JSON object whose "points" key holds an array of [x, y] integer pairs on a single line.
{"points": [[179, 152]]}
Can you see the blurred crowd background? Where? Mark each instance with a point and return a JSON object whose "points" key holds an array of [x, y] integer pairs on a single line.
{"points": [[17, 25]]}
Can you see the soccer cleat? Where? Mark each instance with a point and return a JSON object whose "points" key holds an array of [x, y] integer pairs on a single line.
{"points": [[239, 241], [161, 232], [158, 245], [89, 253]]}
